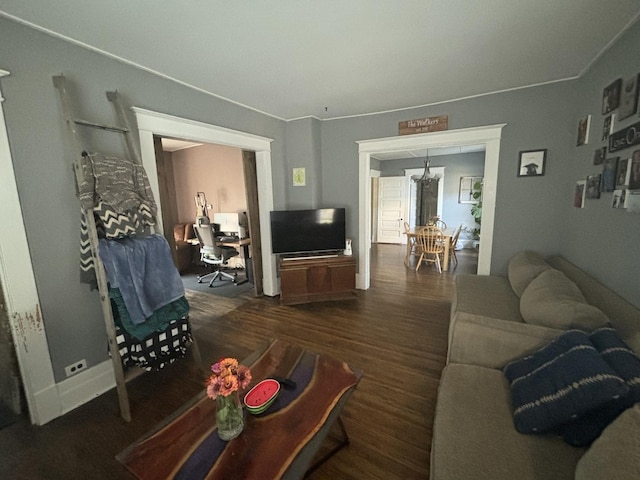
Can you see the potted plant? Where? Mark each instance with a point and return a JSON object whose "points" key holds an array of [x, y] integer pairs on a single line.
{"points": [[476, 210]]}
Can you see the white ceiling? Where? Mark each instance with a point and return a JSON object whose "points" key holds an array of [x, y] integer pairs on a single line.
{"points": [[333, 58], [173, 144]]}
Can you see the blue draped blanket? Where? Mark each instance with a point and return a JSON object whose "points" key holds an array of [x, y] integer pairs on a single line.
{"points": [[144, 272]]}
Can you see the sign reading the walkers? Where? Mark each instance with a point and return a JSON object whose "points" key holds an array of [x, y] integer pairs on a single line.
{"points": [[423, 125], [625, 138]]}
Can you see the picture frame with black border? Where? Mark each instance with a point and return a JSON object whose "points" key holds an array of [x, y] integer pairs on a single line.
{"points": [[607, 126], [609, 168], [611, 96], [593, 186], [599, 155], [629, 96], [634, 171], [532, 163]]}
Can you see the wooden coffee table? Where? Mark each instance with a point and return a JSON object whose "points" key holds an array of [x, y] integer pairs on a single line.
{"points": [[280, 443]]}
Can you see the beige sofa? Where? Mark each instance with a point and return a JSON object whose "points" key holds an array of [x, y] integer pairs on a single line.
{"points": [[474, 435]]}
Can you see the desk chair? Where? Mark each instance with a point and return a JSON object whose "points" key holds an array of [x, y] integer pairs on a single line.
{"points": [[212, 254]]}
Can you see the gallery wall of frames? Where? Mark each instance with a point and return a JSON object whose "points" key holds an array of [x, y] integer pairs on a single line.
{"points": [[616, 158]]}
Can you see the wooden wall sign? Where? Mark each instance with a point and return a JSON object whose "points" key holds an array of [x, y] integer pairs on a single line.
{"points": [[423, 125], [625, 138]]}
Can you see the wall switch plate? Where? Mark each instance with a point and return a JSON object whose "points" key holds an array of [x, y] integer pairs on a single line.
{"points": [[76, 367]]}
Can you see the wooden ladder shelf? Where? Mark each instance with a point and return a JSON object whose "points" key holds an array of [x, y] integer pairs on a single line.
{"points": [[124, 129]]}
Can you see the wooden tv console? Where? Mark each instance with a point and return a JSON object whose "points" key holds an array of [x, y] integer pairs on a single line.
{"points": [[317, 279]]}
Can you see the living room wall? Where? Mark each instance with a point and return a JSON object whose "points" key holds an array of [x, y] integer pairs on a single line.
{"points": [[526, 208], [531, 212], [42, 160], [604, 240], [215, 170]]}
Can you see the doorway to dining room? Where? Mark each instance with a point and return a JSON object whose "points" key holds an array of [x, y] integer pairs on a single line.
{"points": [[489, 136]]}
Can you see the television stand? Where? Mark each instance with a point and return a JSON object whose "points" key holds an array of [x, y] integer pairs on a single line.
{"points": [[317, 279]]}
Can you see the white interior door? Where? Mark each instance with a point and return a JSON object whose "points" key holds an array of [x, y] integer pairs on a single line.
{"points": [[391, 207]]}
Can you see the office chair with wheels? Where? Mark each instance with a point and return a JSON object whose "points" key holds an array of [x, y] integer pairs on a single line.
{"points": [[212, 254]]}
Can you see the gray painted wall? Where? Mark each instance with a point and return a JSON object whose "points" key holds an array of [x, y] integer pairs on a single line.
{"points": [[42, 161], [526, 208], [604, 240], [303, 151], [531, 212]]}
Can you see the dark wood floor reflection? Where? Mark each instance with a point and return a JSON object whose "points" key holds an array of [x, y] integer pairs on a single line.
{"points": [[396, 332]]}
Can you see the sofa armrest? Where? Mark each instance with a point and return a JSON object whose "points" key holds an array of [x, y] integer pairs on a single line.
{"points": [[492, 343]]}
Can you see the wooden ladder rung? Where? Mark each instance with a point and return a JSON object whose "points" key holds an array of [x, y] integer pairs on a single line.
{"points": [[111, 128]]}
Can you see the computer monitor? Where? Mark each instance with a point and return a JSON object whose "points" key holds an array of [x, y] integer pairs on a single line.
{"points": [[231, 223]]}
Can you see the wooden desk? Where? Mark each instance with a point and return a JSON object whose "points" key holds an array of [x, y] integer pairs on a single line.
{"points": [[244, 244], [278, 444], [447, 233]]}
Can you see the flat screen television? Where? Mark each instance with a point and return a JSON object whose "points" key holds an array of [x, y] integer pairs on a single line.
{"points": [[305, 231]]}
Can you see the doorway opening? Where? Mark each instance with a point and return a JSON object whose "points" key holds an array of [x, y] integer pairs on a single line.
{"points": [[256, 150], [489, 136], [206, 183]]}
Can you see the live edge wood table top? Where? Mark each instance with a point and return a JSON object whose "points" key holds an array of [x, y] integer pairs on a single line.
{"points": [[279, 443]]}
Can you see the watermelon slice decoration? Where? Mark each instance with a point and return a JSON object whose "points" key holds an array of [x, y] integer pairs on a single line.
{"points": [[260, 397]]}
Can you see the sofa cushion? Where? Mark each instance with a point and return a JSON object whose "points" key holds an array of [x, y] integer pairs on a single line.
{"points": [[554, 301], [485, 296], [616, 454], [626, 364], [624, 316], [474, 437], [560, 382], [523, 268]]}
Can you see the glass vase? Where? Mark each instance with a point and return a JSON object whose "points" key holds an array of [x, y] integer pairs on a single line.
{"points": [[229, 417]]}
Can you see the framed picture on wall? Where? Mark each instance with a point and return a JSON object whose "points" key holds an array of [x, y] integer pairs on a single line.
{"points": [[607, 126], [469, 186], [583, 131], [634, 174], [609, 174], [629, 97], [578, 196], [599, 155], [622, 173], [593, 186], [532, 163], [611, 97]]}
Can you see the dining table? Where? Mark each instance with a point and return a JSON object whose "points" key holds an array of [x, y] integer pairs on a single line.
{"points": [[412, 235]]}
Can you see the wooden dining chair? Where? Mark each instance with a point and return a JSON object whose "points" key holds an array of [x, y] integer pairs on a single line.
{"points": [[453, 243], [413, 249], [431, 246], [437, 222]]}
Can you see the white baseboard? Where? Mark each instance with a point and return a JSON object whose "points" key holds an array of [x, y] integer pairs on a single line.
{"points": [[85, 386]]}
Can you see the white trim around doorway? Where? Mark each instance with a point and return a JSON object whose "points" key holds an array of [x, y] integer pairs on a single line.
{"points": [[153, 123], [21, 299], [488, 135]]}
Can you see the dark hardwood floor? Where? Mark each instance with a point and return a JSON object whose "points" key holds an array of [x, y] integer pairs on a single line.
{"points": [[396, 332]]}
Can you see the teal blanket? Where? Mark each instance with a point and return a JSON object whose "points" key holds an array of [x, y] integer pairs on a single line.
{"points": [[158, 321]]}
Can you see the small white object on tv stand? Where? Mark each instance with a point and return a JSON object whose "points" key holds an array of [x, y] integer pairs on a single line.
{"points": [[347, 250]]}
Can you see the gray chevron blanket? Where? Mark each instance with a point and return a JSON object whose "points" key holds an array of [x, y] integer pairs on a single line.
{"points": [[118, 193]]}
